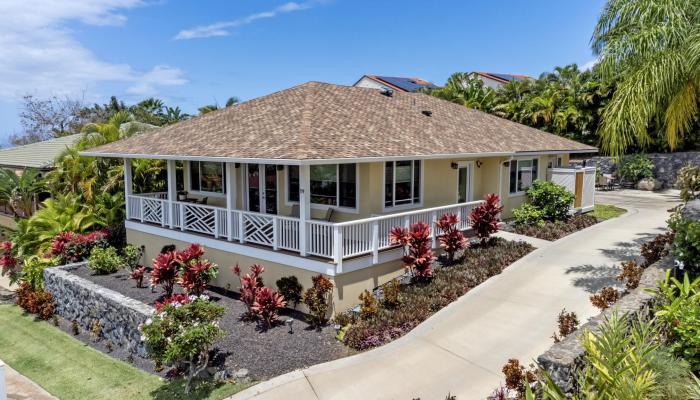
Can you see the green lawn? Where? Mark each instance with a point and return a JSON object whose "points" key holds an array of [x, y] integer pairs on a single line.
{"points": [[607, 211], [69, 369]]}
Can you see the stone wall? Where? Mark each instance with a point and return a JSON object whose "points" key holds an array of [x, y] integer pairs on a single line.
{"points": [[564, 360], [666, 165], [85, 302]]}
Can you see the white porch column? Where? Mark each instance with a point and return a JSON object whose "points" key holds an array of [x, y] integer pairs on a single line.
{"points": [[304, 206], [128, 188], [172, 192], [230, 197]]}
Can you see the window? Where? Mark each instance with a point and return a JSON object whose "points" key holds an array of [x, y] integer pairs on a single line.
{"points": [[331, 184], [207, 177], [522, 174], [401, 183]]}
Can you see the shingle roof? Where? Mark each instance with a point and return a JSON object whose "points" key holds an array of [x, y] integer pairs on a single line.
{"points": [[40, 155], [504, 78], [320, 121]]}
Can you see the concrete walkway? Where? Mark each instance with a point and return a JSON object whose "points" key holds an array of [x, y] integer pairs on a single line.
{"points": [[462, 348], [20, 387]]}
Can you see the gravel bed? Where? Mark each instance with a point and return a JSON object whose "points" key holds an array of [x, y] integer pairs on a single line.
{"points": [[264, 353]]}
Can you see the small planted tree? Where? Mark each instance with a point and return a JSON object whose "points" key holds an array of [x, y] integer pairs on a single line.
{"points": [[317, 300], [165, 271], [251, 283], [418, 255], [452, 239], [267, 305], [195, 271], [181, 335], [137, 275], [485, 217]]}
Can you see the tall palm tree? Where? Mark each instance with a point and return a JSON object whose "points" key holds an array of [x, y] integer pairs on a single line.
{"points": [[468, 90], [652, 49], [232, 101], [19, 191]]}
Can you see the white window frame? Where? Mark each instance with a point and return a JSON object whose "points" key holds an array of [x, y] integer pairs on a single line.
{"points": [[200, 192], [462, 164], [325, 207], [515, 160], [408, 206]]}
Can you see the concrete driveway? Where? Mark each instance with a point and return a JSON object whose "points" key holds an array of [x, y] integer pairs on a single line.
{"points": [[462, 348]]}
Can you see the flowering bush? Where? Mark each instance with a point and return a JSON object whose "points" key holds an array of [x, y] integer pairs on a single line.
{"points": [[418, 255], [137, 275], [181, 335], [266, 305], [196, 272], [165, 270], [176, 300], [452, 239], [686, 244], [9, 262], [250, 284], [484, 217], [316, 299], [70, 247]]}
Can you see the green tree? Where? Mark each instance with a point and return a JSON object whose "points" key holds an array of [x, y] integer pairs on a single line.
{"points": [[468, 90], [651, 48], [19, 191]]}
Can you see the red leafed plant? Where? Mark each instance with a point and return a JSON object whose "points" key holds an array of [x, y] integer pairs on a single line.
{"points": [[251, 283], [452, 239], [266, 305], [484, 217], [196, 272], [418, 255], [9, 262], [165, 271], [174, 299], [137, 275], [71, 247]]}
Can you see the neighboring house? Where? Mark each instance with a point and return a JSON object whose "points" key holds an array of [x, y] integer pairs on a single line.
{"points": [[311, 179], [495, 81], [395, 83]]}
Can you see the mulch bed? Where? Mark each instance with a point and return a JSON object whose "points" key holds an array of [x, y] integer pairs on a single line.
{"points": [[553, 230], [263, 353]]}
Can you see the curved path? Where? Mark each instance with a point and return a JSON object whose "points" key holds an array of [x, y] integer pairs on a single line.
{"points": [[462, 348]]}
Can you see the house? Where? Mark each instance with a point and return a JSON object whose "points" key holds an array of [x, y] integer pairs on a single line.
{"points": [[311, 179], [399, 84], [40, 156], [495, 81]]}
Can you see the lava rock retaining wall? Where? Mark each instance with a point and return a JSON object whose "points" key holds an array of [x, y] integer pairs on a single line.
{"points": [[564, 360], [666, 165], [85, 302]]}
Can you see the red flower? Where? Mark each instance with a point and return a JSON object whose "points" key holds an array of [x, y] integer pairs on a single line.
{"points": [[174, 299]]}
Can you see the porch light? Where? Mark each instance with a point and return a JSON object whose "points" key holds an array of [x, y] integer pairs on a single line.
{"points": [[506, 164], [453, 165], [237, 165], [479, 163], [280, 167]]}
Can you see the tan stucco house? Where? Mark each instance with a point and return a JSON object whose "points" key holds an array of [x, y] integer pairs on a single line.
{"points": [[311, 179]]}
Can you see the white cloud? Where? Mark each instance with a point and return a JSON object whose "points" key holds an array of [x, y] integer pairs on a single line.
{"points": [[589, 65], [224, 28], [39, 53]]}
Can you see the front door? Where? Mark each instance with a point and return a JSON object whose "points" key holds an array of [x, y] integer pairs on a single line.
{"points": [[464, 183], [262, 188]]}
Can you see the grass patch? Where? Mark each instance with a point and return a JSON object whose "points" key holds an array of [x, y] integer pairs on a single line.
{"points": [[607, 211], [557, 230], [69, 369]]}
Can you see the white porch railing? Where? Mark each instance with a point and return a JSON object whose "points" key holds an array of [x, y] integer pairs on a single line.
{"points": [[334, 241]]}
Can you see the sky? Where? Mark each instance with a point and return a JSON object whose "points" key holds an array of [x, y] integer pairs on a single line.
{"points": [[191, 53]]}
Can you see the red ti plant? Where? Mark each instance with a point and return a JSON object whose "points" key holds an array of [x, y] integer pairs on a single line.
{"points": [[251, 283], [452, 239], [196, 272], [174, 299], [267, 304], [9, 262], [485, 217], [165, 271], [418, 255], [71, 247], [137, 275]]}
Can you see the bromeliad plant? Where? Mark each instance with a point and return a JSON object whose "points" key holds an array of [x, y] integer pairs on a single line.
{"points": [[485, 217], [452, 239], [181, 335], [418, 255]]}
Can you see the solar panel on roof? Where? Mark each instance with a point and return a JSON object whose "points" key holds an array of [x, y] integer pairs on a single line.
{"points": [[505, 77], [406, 84]]}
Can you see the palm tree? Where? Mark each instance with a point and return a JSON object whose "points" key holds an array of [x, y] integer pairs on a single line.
{"points": [[232, 101], [652, 49], [19, 191], [468, 90], [173, 115]]}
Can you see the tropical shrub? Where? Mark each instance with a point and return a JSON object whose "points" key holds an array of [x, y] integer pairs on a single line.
{"points": [[605, 298], [418, 254], [485, 217], [165, 271], [517, 377], [679, 312], [33, 271], [195, 271], [132, 256], [316, 298], [553, 200], [251, 283], [688, 181], [686, 244], [528, 215], [631, 274], [182, 335], [105, 261], [368, 305], [267, 305], [177, 300], [452, 239], [655, 249], [70, 247], [137, 274], [291, 289], [391, 294], [567, 323], [636, 167], [35, 301], [10, 264], [556, 230]]}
